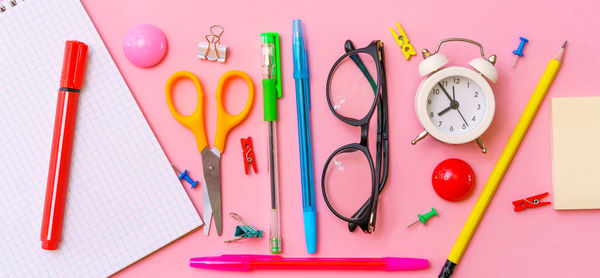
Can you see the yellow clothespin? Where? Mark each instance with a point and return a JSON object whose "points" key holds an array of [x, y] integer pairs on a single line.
{"points": [[402, 40]]}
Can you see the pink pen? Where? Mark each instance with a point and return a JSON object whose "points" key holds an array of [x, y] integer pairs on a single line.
{"points": [[249, 262]]}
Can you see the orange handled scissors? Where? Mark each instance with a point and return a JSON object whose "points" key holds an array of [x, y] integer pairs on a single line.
{"points": [[211, 158]]}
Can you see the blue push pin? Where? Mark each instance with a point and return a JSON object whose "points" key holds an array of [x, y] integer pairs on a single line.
{"points": [[519, 51], [185, 176]]}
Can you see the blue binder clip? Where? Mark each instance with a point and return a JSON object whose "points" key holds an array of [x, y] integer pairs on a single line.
{"points": [[243, 231]]}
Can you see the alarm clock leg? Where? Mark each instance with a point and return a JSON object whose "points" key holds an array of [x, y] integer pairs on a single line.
{"points": [[481, 145], [419, 137]]}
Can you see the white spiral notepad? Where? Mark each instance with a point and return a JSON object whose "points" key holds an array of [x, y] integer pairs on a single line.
{"points": [[124, 200]]}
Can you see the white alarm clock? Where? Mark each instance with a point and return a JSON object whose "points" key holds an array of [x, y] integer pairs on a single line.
{"points": [[455, 105]]}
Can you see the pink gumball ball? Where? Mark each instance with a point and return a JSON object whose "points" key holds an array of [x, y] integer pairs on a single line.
{"points": [[145, 45]]}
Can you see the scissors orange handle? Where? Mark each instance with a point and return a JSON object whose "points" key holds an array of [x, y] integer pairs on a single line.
{"points": [[226, 121], [195, 121]]}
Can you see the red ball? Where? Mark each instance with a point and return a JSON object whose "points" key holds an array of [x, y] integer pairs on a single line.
{"points": [[453, 179]]}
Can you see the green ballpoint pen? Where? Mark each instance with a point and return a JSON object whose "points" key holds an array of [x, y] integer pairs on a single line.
{"points": [[271, 71]]}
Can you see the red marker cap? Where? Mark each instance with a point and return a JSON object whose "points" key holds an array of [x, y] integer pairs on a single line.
{"points": [[73, 65]]}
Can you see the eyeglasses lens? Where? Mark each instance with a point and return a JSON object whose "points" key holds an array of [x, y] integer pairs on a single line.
{"points": [[348, 182], [351, 93]]}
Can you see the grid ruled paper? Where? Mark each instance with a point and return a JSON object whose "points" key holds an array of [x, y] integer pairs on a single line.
{"points": [[124, 200]]}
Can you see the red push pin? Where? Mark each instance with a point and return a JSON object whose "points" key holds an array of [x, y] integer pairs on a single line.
{"points": [[248, 154], [530, 202]]}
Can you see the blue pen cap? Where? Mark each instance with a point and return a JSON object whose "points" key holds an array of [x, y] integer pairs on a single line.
{"points": [[297, 28], [299, 51], [310, 231]]}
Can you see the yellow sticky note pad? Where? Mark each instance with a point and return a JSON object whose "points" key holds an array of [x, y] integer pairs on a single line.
{"points": [[576, 152]]}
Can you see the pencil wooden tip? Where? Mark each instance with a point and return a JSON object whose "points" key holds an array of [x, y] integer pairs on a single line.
{"points": [[561, 51]]}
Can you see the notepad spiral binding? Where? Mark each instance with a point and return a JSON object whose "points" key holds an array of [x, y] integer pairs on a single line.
{"points": [[12, 3]]}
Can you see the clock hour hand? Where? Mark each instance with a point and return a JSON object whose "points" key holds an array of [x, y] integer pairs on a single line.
{"points": [[453, 107], [445, 110], [453, 103]]}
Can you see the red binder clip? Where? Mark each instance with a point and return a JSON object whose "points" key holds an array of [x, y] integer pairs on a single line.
{"points": [[248, 154], [530, 202]]}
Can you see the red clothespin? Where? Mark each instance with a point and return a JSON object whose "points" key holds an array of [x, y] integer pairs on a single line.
{"points": [[530, 202], [248, 154]]}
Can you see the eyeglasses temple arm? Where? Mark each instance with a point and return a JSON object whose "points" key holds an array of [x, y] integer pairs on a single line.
{"points": [[349, 46]]}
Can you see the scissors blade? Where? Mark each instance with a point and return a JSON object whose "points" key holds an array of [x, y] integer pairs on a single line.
{"points": [[206, 209], [211, 164]]}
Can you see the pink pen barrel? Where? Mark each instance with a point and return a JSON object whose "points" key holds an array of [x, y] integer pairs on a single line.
{"points": [[388, 264], [249, 262], [319, 263], [405, 263]]}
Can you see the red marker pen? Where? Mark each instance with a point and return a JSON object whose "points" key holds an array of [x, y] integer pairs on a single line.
{"points": [[62, 143]]}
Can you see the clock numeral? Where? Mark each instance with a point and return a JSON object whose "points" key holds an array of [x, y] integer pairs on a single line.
{"points": [[428, 101], [430, 114], [456, 80], [478, 106], [476, 94], [435, 91], [444, 83], [439, 123], [468, 83], [451, 128], [473, 118], [464, 126]]}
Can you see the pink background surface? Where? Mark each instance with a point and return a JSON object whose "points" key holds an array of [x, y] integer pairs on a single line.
{"points": [[540, 242]]}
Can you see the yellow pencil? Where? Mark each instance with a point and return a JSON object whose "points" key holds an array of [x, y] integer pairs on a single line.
{"points": [[502, 164]]}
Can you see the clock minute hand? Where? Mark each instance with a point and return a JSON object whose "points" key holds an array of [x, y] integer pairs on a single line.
{"points": [[453, 103], [453, 94]]}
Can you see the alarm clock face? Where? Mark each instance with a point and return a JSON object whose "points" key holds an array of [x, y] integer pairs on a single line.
{"points": [[455, 105]]}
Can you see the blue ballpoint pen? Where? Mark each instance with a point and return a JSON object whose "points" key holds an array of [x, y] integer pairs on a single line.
{"points": [[301, 77]]}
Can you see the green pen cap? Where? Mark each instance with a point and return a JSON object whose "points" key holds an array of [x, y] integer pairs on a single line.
{"points": [[271, 71]]}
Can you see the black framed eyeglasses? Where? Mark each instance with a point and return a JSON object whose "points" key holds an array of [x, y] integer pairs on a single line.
{"points": [[353, 95]]}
